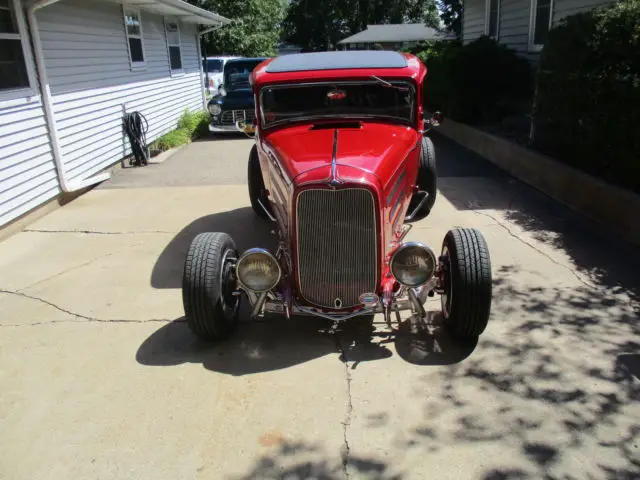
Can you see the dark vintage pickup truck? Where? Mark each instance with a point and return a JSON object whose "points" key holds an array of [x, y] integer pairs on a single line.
{"points": [[234, 100]]}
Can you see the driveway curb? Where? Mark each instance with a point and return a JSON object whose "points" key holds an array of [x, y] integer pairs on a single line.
{"points": [[610, 206]]}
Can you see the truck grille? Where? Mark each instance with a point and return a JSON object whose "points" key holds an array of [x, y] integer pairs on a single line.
{"points": [[337, 254], [229, 117]]}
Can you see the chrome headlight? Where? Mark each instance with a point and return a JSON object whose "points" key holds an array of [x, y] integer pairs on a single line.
{"points": [[413, 264], [258, 270], [214, 109]]}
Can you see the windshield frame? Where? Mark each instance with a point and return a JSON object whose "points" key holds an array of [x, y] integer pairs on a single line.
{"points": [[408, 82]]}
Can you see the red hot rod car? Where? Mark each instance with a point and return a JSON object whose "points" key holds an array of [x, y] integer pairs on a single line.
{"points": [[341, 166]]}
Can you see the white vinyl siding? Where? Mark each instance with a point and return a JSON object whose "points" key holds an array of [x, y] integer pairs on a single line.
{"points": [[514, 24], [563, 8], [87, 60], [27, 172], [94, 87], [473, 20], [515, 20]]}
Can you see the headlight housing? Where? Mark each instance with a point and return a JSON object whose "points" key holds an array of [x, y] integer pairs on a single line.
{"points": [[258, 270], [413, 264], [214, 109]]}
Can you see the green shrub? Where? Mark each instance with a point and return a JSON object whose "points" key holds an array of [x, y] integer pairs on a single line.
{"points": [[194, 122], [172, 139], [482, 81], [587, 108], [190, 126]]}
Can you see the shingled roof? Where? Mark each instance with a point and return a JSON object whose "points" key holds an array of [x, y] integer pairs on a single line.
{"points": [[398, 32]]}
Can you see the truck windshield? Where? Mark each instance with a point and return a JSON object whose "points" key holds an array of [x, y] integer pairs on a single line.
{"points": [[212, 66], [392, 100], [236, 73]]}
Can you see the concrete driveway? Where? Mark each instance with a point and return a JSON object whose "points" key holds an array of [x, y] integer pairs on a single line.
{"points": [[101, 379]]}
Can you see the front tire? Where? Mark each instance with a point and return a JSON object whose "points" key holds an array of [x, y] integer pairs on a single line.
{"points": [[466, 301], [427, 180], [256, 185], [208, 284]]}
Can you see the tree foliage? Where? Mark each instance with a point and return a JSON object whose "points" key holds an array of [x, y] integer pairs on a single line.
{"points": [[451, 14], [254, 30], [319, 25]]}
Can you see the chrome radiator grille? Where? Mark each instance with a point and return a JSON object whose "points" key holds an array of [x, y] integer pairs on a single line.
{"points": [[229, 117], [337, 254]]}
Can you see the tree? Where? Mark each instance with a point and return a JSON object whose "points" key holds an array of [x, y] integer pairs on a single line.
{"points": [[254, 30], [320, 24], [451, 14]]}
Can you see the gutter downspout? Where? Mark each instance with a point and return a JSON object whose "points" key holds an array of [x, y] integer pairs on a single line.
{"points": [[47, 102]]}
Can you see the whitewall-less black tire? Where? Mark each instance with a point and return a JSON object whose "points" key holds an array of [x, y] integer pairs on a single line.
{"points": [[207, 285], [466, 301]]}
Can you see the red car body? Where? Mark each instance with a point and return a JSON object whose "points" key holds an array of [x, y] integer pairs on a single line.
{"points": [[378, 156], [341, 166]]}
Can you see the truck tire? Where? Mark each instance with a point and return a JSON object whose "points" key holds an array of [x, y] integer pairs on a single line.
{"points": [[427, 180], [208, 282], [256, 185], [466, 278]]}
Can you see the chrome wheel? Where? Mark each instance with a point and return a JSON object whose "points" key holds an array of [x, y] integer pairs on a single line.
{"points": [[230, 302]]}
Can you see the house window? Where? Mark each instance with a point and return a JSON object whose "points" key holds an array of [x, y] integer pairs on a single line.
{"points": [[540, 22], [492, 19], [173, 44], [14, 73], [133, 28]]}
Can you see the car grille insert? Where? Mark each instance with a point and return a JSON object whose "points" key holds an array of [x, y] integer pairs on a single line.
{"points": [[230, 117], [337, 246]]}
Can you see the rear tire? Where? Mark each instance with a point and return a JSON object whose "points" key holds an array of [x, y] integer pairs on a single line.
{"points": [[256, 185], [207, 285], [427, 180], [466, 301]]}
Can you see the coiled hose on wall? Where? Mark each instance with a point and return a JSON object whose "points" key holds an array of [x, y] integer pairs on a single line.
{"points": [[136, 126]]}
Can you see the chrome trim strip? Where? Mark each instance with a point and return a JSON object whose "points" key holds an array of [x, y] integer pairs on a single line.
{"points": [[334, 169]]}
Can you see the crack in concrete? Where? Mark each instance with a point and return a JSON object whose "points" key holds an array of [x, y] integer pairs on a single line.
{"points": [[544, 254], [73, 314], [96, 232], [346, 423]]}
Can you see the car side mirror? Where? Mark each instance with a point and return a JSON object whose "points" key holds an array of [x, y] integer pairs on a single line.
{"points": [[435, 120]]}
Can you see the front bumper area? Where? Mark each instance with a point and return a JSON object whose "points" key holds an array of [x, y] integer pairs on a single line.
{"points": [[407, 299], [217, 128]]}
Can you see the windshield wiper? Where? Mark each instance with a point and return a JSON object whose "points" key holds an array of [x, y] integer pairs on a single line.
{"points": [[389, 84]]}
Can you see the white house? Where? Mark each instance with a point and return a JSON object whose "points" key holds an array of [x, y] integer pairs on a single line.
{"points": [[519, 24], [69, 69]]}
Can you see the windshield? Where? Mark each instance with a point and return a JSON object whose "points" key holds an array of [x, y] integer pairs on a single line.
{"points": [[212, 66], [393, 100], [236, 74]]}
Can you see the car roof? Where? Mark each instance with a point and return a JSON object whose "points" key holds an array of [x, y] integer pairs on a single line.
{"points": [[338, 64], [302, 62]]}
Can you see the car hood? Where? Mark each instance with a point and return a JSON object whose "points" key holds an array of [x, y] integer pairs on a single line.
{"points": [[238, 99], [376, 148]]}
